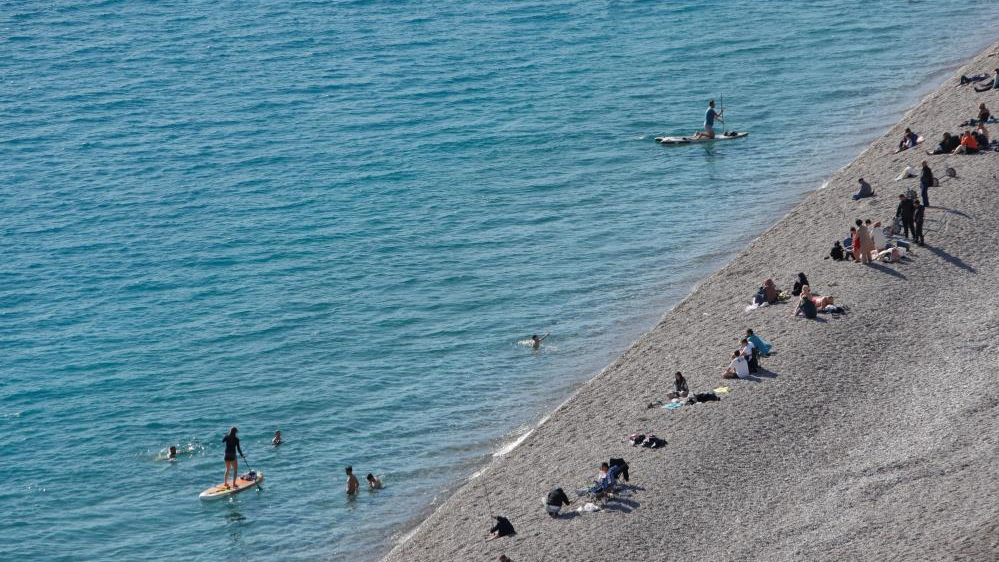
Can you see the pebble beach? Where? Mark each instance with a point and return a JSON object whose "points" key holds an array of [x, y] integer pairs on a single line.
{"points": [[867, 436]]}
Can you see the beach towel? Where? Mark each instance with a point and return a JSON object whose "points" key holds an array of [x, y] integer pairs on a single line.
{"points": [[673, 406], [722, 390]]}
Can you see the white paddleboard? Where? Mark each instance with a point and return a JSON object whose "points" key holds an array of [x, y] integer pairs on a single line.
{"points": [[224, 490], [692, 140]]}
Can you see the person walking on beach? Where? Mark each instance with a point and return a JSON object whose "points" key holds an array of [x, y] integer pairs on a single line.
{"points": [[925, 182], [917, 222], [906, 211], [231, 447], [709, 122], [352, 483]]}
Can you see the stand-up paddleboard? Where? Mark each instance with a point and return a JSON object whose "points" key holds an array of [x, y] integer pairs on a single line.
{"points": [[691, 140], [224, 490]]}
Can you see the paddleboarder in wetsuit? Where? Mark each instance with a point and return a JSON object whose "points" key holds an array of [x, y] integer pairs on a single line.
{"points": [[231, 447], [709, 122]]}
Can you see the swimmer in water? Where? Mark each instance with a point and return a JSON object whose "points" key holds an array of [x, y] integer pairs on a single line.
{"points": [[352, 483], [374, 483], [537, 340], [277, 438], [173, 453]]}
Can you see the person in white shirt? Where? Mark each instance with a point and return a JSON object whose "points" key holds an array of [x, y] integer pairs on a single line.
{"points": [[738, 368], [877, 235]]}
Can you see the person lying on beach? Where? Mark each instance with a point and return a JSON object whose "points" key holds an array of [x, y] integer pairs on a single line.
{"points": [[738, 368], [761, 346], [865, 190], [969, 144], [891, 255], [801, 282], [972, 79], [993, 85], [374, 483], [502, 528], [820, 302], [909, 140], [947, 144], [538, 339], [554, 502], [680, 389]]}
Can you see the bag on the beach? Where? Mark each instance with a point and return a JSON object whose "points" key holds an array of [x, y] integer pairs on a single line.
{"points": [[706, 397]]}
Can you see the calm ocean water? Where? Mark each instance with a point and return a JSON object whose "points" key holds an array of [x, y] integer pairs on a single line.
{"points": [[340, 218]]}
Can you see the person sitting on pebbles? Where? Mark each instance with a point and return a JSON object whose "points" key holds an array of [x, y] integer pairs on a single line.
{"points": [[738, 368], [680, 389]]}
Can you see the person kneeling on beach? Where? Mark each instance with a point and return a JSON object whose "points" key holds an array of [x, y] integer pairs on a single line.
{"points": [[502, 528], [554, 502], [680, 389], [738, 368]]}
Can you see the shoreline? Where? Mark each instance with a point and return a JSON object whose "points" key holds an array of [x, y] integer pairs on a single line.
{"points": [[537, 462]]}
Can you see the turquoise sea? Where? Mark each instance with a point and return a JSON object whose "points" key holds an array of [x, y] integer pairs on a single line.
{"points": [[341, 220]]}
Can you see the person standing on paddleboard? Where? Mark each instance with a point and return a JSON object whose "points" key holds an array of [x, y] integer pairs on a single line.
{"points": [[709, 122], [231, 447]]}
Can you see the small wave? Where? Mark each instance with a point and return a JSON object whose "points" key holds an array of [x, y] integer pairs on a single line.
{"points": [[505, 449]]}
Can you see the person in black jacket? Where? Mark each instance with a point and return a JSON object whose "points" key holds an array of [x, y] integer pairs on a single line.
{"points": [[554, 502], [502, 528], [918, 223], [801, 282], [906, 212], [925, 181], [622, 467]]}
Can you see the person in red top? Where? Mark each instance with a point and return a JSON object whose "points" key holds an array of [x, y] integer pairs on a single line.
{"points": [[969, 145]]}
